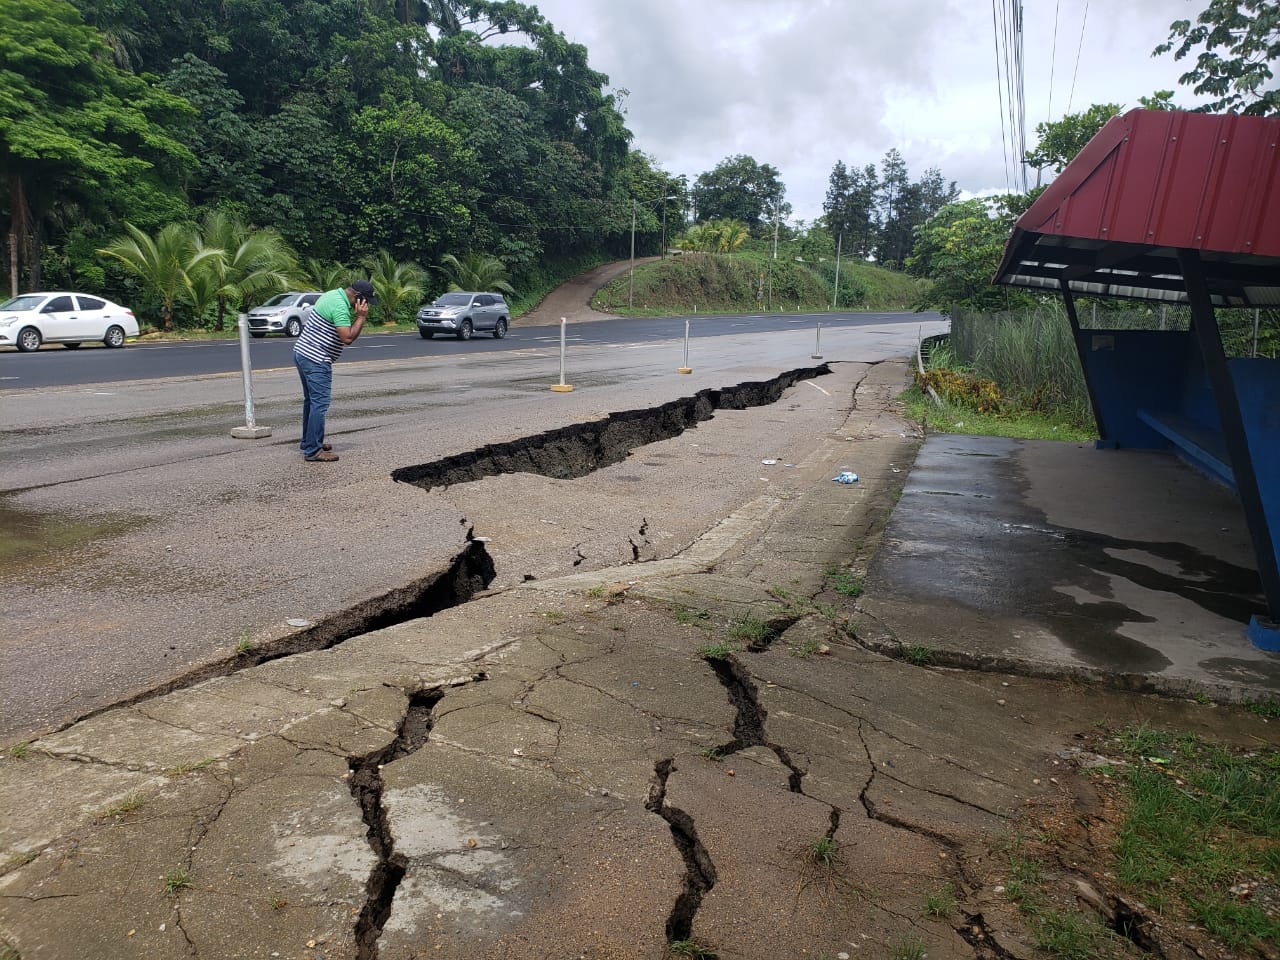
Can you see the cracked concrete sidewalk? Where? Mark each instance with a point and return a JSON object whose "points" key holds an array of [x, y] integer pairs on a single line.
{"points": [[589, 766]]}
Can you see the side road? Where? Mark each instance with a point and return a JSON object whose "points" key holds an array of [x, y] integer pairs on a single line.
{"points": [[695, 750]]}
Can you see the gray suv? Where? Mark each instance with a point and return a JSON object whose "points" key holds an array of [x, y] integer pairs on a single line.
{"points": [[462, 314], [281, 314]]}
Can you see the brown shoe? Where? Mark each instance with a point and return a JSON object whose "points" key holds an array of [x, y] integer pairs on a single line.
{"points": [[322, 457]]}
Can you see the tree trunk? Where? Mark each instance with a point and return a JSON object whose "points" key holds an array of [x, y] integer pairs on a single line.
{"points": [[19, 228], [222, 311]]}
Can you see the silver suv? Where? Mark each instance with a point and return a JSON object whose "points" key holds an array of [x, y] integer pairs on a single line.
{"points": [[281, 314], [462, 314]]}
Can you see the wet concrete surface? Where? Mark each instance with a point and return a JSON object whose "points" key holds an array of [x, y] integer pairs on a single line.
{"points": [[974, 531]]}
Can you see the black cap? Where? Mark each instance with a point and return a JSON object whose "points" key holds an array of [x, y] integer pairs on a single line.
{"points": [[365, 289]]}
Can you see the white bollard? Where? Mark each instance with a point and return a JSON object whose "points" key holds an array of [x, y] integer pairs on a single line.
{"points": [[686, 368], [562, 387], [250, 430], [817, 346]]}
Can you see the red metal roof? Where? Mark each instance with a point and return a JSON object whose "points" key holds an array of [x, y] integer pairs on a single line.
{"points": [[1149, 184]]}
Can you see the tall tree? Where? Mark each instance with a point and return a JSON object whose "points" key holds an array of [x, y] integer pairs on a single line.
{"points": [[252, 262], [76, 132], [163, 262], [1241, 43], [899, 201], [740, 189]]}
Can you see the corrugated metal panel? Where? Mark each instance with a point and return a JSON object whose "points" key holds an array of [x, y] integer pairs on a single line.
{"points": [[1149, 184]]}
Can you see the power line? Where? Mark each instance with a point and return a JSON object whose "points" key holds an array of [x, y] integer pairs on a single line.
{"points": [[1004, 139], [1053, 60], [1084, 20]]}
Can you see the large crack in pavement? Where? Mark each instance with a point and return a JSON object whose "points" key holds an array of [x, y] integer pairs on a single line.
{"points": [[365, 783], [700, 871], [568, 453]]}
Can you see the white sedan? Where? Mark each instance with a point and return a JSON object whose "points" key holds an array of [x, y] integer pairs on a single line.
{"points": [[66, 318]]}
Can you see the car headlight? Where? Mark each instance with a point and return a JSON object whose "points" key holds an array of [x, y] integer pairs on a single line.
{"points": [[9, 321]]}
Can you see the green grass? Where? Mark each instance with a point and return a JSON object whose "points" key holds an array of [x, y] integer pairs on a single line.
{"points": [[1269, 709], [808, 648], [909, 948], [717, 651], [714, 754], [176, 880], [825, 851], [19, 751], [1025, 426], [917, 655], [942, 903], [1198, 819], [130, 803], [843, 581], [750, 630]]}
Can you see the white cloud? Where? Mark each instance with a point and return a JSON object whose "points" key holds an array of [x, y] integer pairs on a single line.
{"points": [[800, 84]]}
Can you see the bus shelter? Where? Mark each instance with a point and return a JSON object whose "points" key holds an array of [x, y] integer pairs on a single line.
{"points": [[1174, 208]]}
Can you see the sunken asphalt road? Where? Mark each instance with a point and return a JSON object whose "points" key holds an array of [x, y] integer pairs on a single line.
{"points": [[567, 740]]}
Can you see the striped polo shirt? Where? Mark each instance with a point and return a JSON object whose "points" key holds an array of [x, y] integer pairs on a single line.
{"points": [[319, 340]]}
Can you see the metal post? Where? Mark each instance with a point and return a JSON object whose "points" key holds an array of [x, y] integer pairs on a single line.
{"points": [[817, 346], [562, 387], [835, 294], [250, 430], [1254, 351], [631, 279], [686, 368]]}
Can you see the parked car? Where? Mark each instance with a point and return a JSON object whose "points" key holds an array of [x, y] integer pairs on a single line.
{"points": [[66, 318], [462, 314], [282, 313]]}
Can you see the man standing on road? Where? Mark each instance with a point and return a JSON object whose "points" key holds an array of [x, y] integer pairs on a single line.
{"points": [[328, 326]]}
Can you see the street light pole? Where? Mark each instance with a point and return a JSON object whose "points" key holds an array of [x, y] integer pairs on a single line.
{"points": [[631, 279]]}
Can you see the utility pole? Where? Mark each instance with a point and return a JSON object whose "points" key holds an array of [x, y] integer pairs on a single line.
{"points": [[775, 254], [631, 281], [835, 294]]}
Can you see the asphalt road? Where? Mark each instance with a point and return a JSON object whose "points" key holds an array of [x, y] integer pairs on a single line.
{"points": [[55, 366], [139, 540]]}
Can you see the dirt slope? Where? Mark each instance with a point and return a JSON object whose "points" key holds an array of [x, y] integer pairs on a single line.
{"points": [[572, 299]]}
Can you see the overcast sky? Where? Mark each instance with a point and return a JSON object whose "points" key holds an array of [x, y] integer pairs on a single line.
{"points": [[800, 84]]}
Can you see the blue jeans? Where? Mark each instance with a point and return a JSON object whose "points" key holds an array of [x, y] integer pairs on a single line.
{"points": [[317, 386]]}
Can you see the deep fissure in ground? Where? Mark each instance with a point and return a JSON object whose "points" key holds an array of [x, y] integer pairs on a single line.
{"points": [[568, 453]]}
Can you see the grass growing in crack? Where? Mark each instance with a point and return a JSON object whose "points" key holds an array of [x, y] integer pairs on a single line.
{"points": [[750, 630], [19, 751], [1200, 818], [182, 769], [843, 581], [1270, 709], [691, 948], [917, 655], [713, 753], [277, 903], [909, 948], [176, 880], [808, 648], [129, 803], [686, 616], [596, 592], [245, 646], [717, 651], [942, 903], [553, 616], [19, 859], [825, 851], [9, 953]]}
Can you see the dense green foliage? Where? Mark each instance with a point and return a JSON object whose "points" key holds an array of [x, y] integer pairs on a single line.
{"points": [[1248, 33]]}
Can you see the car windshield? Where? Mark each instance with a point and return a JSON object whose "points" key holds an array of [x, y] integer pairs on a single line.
{"points": [[453, 300], [28, 301], [281, 300]]}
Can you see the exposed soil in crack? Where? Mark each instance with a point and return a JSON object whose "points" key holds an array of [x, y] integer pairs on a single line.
{"points": [[471, 571], [700, 872], [574, 451], [366, 787], [749, 717]]}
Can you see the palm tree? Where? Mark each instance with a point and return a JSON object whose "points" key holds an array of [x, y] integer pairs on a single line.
{"points": [[161, 262], [475, 271], [319, 275], [254, 262], [395, 283]]}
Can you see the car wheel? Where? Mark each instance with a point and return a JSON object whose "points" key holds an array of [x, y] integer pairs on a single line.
{"points": [[114, 337], [500, 328], [426, 334], [293, 327], [28, 339], [464, 331], [256, 336], [72, 346]]}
